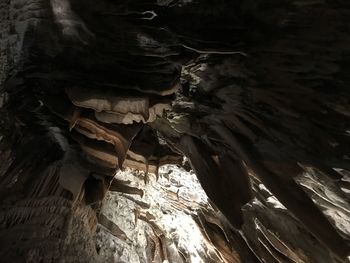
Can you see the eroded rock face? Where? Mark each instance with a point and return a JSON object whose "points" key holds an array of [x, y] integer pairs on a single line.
{"points": [[159, 220], [251, 93], [40, 221], [176, 207]]}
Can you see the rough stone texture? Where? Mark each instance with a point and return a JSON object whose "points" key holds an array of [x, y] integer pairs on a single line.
{"points": [[259, 93], [173, 200], [176, 200], [47, 230], [39, 222]]}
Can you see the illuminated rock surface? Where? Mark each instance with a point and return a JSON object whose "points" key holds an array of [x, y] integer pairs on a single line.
{"points": [[255, 94]]}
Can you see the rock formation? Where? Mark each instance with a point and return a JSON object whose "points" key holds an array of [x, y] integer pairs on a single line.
{"points": [[255, 94]]}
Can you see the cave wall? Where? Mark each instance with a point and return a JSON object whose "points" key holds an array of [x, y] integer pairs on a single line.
{"points": [[251, 92], [39, 221]]}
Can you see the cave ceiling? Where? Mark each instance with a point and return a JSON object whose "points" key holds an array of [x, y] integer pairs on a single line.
{"points": [[255, 95]]}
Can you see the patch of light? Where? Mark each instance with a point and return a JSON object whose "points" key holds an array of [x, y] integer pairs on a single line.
{"points": [[190, 236], [196, 259], [276, 204], [263, 188], [174, 186]]}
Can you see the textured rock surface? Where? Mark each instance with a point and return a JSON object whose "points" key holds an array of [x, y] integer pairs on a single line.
{"points": [[177, 200], [251, 92], [169, 203], [39, 222]]}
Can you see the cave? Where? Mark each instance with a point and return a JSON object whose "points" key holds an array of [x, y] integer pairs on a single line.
{"points": [[175, 131]]}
